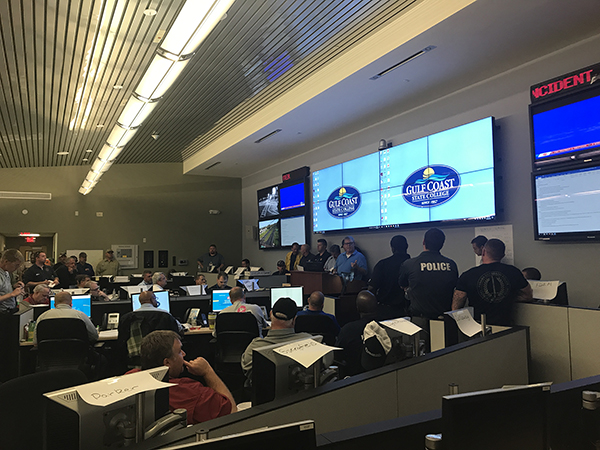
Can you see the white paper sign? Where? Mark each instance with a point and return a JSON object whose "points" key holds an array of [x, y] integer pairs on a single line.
{"points": [[544, 290], [502, 232], [465, 322], [402, 325], [111, 390], [305, 352]]}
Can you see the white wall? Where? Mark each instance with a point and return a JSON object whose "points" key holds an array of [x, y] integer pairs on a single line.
{"points": [[506, 97]]}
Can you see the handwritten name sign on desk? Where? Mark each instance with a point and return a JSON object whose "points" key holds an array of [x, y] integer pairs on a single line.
{"points": [[112, 390], [465, 321], [544, 290], [305, 352], [402, 325]]}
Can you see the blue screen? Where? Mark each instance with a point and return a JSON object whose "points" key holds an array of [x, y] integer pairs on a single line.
{"points": [[81, 303], [162, 297], [292, 196], [384, 182], [220, 300], [567, 129]]}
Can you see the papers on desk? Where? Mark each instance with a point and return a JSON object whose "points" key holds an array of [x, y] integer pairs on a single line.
{"points": [[402, 325], [111, 390], [544, 290], [134, 289], [465, 321], [108, 334], [305, 352], [121, 279]]}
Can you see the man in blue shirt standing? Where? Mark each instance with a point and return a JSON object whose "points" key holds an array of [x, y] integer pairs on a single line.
{"points": [[352, 264]]}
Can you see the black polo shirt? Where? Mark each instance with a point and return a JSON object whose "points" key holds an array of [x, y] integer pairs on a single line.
{"points": [[36, 274]]}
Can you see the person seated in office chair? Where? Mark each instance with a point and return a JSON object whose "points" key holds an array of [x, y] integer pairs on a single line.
{"points": [[201, 280], [283, 318], [531, 273], [222, 279], [316, 301], [281, 270], [238, 304], [96, 293], [63, 310], [350, 337], [159, 281], [163, 348], [81, 280], [146, 279], [40, 295]]}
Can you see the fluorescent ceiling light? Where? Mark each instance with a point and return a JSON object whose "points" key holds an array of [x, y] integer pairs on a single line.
{"points": [[119, 137], [159, 77], [135, 112], [109, 153], [185, 26]]}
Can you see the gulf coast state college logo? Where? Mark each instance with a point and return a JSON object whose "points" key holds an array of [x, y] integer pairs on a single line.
{"points": [[431, 186], [343, 202]]}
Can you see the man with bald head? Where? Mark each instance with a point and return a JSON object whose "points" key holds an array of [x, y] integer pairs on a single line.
{"points": [[238, 304], [316, 301], [350, 337], [63, 303]]}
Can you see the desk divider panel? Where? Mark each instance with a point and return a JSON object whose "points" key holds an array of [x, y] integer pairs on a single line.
{"points": [[487, 365], [584, 328], [549, 340], [414, 386]]}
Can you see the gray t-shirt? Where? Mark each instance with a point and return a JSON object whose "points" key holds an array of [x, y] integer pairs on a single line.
{"points": [[6, 288]]}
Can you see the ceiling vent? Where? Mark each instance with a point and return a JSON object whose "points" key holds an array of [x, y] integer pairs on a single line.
{"points": [[25, 195], [212, 165], [404, 61]]}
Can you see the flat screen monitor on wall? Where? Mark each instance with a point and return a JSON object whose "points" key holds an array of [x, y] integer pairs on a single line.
{"points": [[293, 229], [292, 196], [566, 204], [446, 177], [268, 202], [566, 130], [269, 235]]}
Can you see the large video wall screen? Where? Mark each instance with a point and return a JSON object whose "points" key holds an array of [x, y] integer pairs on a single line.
{"points": [[448, 176]]}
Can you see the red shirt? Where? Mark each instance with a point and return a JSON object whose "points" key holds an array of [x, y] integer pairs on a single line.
{"points": [[33, 302], [202, 403]]}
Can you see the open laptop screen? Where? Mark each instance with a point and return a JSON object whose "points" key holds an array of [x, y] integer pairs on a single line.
{"points": [[220, 300], [81, 303]]}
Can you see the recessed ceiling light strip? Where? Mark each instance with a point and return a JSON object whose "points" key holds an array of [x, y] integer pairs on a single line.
{"points": [[194, 22]]}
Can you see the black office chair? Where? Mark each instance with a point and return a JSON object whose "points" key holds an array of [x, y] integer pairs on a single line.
{"points": [[317, 324], [64, 344], [235, 331], [22, 414]]}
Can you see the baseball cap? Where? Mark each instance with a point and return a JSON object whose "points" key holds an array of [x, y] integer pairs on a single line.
{"points": [[284, 309], [110, 250], [376, 345]]}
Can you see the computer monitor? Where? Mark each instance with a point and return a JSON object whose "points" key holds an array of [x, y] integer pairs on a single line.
{"points": [[81, 303], [498, 418], [70, 422], [295, 293], [162, 297], [276, 376], [293, 436], [220, 300]]}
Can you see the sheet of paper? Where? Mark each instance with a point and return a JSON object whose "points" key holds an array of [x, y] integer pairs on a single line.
{"points": [[108, 334], [133, 289], [305, 352], [402, 325], [544, 290], [194, 289], [465, 322], [111, 390]]}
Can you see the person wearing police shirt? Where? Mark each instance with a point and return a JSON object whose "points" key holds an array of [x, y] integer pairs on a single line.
{"points": [[430, 278]]}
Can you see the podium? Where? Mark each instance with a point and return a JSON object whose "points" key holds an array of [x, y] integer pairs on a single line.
{"points": [[316, 281]]}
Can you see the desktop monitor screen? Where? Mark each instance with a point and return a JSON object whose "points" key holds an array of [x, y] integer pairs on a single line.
{"points": [[162, 297], [220, 300], [81, 303], [292, 196], [295, 293]]}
